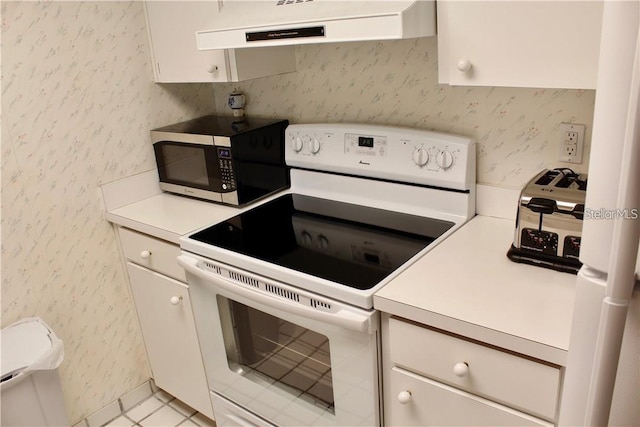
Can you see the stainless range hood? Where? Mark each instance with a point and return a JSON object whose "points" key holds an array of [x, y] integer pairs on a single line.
{"points": [[256, 23]]}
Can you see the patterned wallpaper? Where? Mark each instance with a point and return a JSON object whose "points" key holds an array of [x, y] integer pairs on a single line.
{"points": [[396, 82], [77, 104]]}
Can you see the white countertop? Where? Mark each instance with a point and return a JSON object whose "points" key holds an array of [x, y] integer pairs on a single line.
{"points": [[138, 203], [168, 216], [468, 286]]}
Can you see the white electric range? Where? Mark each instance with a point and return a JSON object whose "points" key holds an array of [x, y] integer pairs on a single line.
{"points": [[282, 293]]}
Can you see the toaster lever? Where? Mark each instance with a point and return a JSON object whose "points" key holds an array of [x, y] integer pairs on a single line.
{"points": [[541, 205], [578, 211]]}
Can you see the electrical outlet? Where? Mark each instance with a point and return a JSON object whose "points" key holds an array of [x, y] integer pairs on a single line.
{"points": [[571, 142]]}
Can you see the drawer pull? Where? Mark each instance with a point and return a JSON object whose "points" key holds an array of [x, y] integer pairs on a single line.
{"points": [[175, 300], [464, 65], [145, 254], [461, 369], [404, 397]]}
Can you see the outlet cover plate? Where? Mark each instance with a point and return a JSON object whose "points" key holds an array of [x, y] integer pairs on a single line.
{"points": [[571, 143]]}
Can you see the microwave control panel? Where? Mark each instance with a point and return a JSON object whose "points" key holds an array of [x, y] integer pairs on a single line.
{"points": [[227, 176]]}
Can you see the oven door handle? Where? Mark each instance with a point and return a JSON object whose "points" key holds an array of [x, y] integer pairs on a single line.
{"points": [[343, 317]]}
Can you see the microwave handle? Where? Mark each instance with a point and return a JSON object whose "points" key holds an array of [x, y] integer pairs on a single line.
{"points": [[343, 317]]}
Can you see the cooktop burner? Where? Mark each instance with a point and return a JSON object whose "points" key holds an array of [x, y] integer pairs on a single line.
{"points": [[353, 245]]}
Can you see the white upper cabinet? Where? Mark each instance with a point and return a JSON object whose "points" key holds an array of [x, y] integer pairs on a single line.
{"points": [[546, 44], [172, 27]]}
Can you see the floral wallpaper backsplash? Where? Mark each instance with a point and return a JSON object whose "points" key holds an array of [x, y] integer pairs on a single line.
{"points": [[396, 83], [77, 104]]}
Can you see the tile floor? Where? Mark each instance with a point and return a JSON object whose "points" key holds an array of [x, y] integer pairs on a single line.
{"points": [[161, 410], [146, 406]]}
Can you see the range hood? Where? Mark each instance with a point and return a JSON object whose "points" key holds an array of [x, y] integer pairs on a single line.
{"points": [[256, 23]]}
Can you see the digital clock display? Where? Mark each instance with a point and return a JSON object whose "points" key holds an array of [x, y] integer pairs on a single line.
{"points": [[365, 141], [224, 153]]}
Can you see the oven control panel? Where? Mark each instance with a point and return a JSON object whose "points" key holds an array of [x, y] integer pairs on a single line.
{"points": [[384, 152]]}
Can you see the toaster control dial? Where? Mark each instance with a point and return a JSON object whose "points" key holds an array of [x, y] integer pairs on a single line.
{"points": [[444, 159], [420, 156]]}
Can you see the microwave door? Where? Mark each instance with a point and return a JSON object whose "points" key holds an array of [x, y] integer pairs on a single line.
{"points": [[189, 169], [185, 164]]}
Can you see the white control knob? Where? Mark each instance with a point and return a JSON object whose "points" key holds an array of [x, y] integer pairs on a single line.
{"points": [[306, 238], [145, 254], [323, 241], [212, 69], [315, 145], [444, 159], [404, 397], [175, 300], [420, 156], [461, 369], [296, 144], [463, 65]]}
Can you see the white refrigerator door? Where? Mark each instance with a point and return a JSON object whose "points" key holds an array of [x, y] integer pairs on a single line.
{"points": [[617, 53], [602, 383], [625, 410]]}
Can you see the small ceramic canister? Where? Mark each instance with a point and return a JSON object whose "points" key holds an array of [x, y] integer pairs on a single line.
{"points": [[236, 102]]}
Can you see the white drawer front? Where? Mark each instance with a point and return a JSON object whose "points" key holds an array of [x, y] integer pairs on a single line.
{"points": [[152, 253], [516, 381], [430, 403]]}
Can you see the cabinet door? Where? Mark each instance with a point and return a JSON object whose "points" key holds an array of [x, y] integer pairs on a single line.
{"points": [[547, 44], [172, 27], [166, 319], [430, 403]]}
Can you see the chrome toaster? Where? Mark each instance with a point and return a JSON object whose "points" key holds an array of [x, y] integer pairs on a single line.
{"points": [[549, 220]]}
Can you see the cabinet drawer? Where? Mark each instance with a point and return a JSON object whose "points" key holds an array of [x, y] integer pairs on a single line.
{"points": [[152, 253], [434, 404], [501, 376]]}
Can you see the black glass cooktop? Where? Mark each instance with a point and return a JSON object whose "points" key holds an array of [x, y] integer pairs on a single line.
{"points": [[345, 243]]}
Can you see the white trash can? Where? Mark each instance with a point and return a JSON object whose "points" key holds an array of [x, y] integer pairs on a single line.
{"points": [[30, 388]]}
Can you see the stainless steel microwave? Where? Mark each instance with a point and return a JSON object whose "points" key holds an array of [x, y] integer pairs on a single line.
{"points": [[222, 159]]}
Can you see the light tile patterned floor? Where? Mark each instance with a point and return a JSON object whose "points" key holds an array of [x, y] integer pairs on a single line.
{"points": [[161, 410]]}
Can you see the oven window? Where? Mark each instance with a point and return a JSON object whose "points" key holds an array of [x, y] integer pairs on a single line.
{"points": [[262, 347], [185, 164]]}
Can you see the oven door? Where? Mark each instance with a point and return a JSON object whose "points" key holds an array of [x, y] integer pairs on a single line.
{"points": [[285, 354]]}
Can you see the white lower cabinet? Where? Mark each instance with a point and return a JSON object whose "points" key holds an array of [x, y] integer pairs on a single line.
{"points": [[166, 320], [433, 378], [418, 401]]}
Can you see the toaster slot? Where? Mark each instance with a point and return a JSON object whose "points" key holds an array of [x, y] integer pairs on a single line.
{"points": [[547, 178], [572, 181]]}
